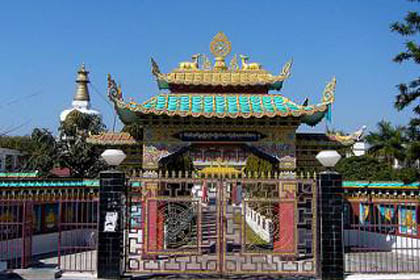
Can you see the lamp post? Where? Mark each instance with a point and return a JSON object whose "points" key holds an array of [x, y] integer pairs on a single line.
{"points": [[329, 184], [328, 158], [110, 230], [113, 157]]}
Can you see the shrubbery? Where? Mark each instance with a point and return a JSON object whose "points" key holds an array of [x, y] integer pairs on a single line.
{"points": [[367, 168]]}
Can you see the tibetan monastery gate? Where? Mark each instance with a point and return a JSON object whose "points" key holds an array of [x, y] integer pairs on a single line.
{"points": [[194, 205]]}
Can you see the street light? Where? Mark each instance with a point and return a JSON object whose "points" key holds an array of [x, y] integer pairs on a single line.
{"points": [[328, 158], [113, 157]]}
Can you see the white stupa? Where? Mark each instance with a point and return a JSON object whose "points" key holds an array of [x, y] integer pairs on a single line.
{"points": [[81, 100]]}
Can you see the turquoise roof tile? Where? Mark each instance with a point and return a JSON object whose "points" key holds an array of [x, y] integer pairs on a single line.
{"points": [[364, 184], [228, 105]]}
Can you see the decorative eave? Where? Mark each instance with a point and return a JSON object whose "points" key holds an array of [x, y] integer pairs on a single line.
{"points": [[347, 140], [221, 105], [224, 78], [112, 139], [381, 191]]}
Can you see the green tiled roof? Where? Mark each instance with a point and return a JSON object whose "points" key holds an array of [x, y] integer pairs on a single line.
{"points": [[18, 174], [222, 106], [49, 184], [225, 105], [361, 184]]}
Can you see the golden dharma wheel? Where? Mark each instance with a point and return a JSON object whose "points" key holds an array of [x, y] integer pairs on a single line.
{"points": [[220, 46]]}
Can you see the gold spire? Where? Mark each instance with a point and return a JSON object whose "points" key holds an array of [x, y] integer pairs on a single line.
{"points": [[82, 91]]}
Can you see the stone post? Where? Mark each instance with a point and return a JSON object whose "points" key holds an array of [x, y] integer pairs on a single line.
{"points": [[110, 236], [331, 254]]}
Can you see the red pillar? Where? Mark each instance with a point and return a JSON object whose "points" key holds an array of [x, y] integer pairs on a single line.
{"points": [[285, 241], [155, 221], [160, 226], [234, 193]]}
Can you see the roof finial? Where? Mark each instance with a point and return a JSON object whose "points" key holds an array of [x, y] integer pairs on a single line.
{"points": [[220, 48], [82, 91]]}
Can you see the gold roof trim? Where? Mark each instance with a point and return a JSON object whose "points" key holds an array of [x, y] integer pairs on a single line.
{"points": [[215, 77], [198, 71]]}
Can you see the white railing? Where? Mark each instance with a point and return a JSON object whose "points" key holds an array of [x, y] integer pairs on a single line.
{"points": [[260, 224]]}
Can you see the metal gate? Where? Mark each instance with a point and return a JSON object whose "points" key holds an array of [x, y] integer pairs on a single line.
{"points": [[381, 235], [16, 216], [221, 226], [49, 230], [77, 233]]}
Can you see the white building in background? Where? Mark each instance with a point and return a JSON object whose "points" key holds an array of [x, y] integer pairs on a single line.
{"points": [[359, 149], [9, 159], [81, 100]]}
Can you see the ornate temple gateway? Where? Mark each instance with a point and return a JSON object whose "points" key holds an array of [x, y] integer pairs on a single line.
{"points": [[220, 113], [196, 205]]}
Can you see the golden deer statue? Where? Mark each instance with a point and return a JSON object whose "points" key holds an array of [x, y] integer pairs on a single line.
{"points": [[249, 66], [187, 65]]}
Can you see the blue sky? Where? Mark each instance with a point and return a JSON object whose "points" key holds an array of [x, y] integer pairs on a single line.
{"points": [[44, 42]]}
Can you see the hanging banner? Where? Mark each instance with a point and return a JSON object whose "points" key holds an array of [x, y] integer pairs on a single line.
{"points": [[364, 213], [407, 220]]}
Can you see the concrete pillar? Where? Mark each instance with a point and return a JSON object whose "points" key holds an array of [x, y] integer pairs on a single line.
{"points": [[330, 213], [110, 236]]}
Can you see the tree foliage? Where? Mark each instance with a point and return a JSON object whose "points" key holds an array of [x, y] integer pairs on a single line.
{"points": [[39, 150], [387, 142], [256, 164], [43, 154], [368, 168], [78, 123], [135, 130], [408, 92], [21, 143], [178, 162], [73, 151]]}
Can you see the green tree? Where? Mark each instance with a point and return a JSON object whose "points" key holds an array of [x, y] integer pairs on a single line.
{"points": [[257, 164], [73, 151], [42, 152], [135, 130], [364, 168], [387, 142], [180, 161], [20, 143], [409, 92], [77, 123]]}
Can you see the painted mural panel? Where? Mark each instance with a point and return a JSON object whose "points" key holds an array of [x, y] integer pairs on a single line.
{"points": [[407, 220], [51, 217], [387, 218]]}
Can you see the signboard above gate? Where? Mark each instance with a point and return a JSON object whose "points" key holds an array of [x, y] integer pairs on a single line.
{"points": [[237, 136]]}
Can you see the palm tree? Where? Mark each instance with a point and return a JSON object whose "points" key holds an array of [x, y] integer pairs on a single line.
{"points": [[412, 134], [387, 142]]}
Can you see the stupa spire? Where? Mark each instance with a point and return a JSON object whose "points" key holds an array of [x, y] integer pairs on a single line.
{"points": [[81, 99], [82, 91]]}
